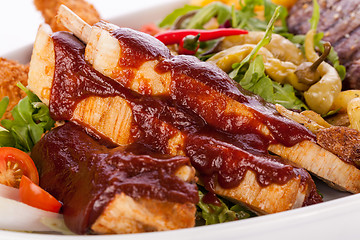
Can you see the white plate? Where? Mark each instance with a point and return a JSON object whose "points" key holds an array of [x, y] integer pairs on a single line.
{"points": [[336, 218]]}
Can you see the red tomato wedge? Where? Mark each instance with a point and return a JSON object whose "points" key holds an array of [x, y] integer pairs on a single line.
{"points": [[33, 195], [15, 163]]}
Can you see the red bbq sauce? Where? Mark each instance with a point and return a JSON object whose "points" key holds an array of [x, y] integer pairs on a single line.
{"points": [[199, 88], [220, 146], [86, 175]]}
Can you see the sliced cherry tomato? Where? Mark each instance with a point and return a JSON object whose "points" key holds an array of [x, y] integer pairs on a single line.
{"points": [[15, 163], [33, 195]]}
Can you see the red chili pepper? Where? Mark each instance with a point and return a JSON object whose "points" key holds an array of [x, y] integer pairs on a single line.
{"points": [[176, 36]]}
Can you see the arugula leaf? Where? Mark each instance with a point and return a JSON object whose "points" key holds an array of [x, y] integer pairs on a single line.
{"points": [[264, 41], [171, 18], [215, 9], [246, 12], [286, 96], [245, 18], [31, 121], [213, 214], [269, 10], [257, 82]]}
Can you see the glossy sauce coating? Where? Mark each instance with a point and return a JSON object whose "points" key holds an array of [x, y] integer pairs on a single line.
{"points": [[85, 175], [221, 151], [199, 88], [157, 120]]}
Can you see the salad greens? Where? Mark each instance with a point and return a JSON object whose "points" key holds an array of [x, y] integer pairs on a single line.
{"points": [[255, 80], [246, 17], [31, 121], [226, 212], [251, 75], [263, 42]]}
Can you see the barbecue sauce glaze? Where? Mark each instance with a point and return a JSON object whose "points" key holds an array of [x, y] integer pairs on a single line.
{"points": [[222, 148], [85, 175]]}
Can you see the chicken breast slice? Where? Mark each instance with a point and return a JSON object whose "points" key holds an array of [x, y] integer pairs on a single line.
{"points": [[103, 51], [91, 113], [322, 163], [127, 215]]}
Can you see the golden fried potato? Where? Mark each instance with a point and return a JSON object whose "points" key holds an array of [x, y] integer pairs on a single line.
{"points": [[49, 9], [342, 100], [11, 73], [353, 110]]}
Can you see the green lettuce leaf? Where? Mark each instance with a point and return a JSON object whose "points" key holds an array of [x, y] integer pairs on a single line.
{"points": [[263, 42], [31, 119], [226, 212]]}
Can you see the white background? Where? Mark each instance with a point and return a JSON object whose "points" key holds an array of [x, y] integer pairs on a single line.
{"points": [[19, 19]]}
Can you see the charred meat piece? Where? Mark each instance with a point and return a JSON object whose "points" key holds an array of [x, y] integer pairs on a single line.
{"points": [[342, 141], [49, 8], [81, 94], [341, 26], [112, 191], [11, 73]]}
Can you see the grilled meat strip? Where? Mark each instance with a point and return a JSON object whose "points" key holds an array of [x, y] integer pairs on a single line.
{"points": [[81, 94], [222, 101], [341, 26], [94, 182], [342, 141]]}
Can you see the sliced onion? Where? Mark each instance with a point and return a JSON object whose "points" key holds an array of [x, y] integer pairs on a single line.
{"points": [[9, 192], [18, 216]]}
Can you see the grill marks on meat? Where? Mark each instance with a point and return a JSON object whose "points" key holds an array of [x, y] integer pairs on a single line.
{"points": [[341, 26]]}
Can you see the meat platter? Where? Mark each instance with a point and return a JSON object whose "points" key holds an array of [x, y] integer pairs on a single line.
{"points": [[332, 219]]}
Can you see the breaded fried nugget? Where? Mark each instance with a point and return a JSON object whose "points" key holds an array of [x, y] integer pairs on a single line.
{"points": [[82, 8], [11, 73]]}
